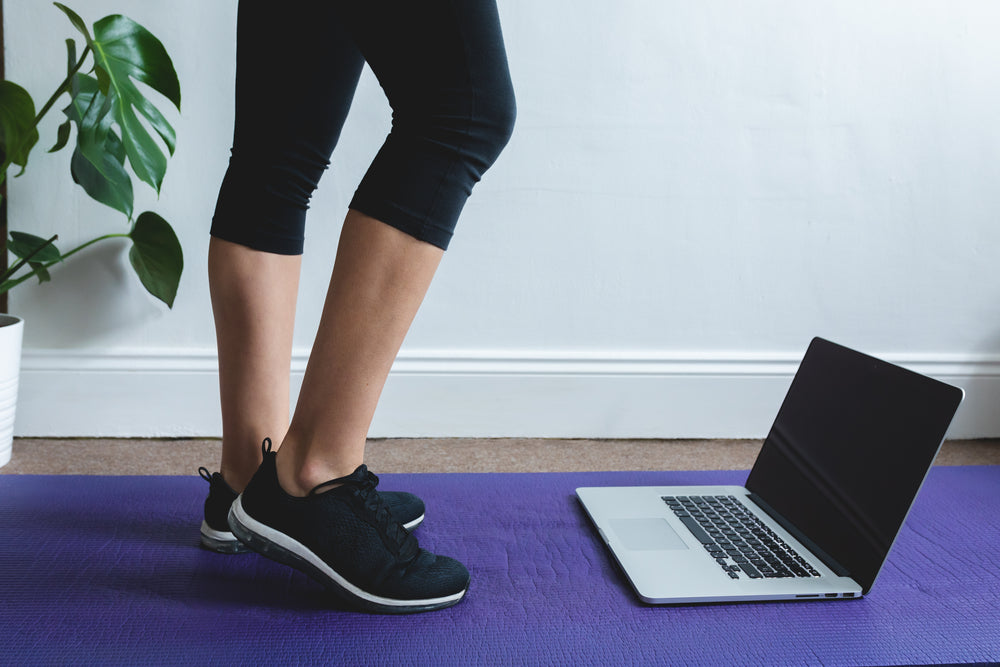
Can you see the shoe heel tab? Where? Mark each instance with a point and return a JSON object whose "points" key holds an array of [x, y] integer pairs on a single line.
{"points": [[265, 447], [205, 475]]}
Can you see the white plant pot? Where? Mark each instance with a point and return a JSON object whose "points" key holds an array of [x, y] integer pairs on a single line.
{"points": [[11, 335]]}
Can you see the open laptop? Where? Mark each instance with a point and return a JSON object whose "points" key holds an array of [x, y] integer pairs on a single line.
{"points": [[831, 487]]}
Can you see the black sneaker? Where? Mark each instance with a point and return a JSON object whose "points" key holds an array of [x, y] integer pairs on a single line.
{"points": [[347, 539], [407, 508], [215, 533]]}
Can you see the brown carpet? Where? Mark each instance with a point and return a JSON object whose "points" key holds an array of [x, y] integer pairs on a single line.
{"points": [[87, 456]]}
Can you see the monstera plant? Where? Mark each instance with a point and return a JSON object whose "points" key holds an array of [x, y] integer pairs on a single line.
{"points": [[114, 123]]}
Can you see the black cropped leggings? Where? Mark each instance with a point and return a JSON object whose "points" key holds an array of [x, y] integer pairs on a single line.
{"points": [[443, 67]]}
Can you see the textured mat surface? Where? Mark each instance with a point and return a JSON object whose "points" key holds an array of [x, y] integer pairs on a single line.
{"points": [[107, 570]]}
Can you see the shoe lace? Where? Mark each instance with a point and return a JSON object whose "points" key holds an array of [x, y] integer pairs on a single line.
{"points": [[405, 543], [363, 483]]}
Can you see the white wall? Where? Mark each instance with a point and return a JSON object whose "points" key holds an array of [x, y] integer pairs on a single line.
{"points": [[693, 191]]}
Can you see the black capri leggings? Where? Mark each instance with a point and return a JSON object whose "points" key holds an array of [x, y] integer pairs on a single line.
{"points": [[443, 67]]}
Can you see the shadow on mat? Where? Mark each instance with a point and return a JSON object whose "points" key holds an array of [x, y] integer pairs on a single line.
{"points": [[97, 556]]}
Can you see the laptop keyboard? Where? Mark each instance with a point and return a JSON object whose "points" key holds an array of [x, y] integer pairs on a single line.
{"points": [[740, 542]]}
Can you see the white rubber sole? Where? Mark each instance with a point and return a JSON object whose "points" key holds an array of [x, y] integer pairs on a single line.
{"points": [[413, 524], [220, 541], [280, 547], [213, 534]]}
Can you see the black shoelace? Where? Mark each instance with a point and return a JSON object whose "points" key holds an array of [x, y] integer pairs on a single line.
{"points": [[362, 483]]}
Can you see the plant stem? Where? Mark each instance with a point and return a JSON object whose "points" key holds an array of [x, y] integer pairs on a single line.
{"points": [[87, 245], [63, 87], [15, 282]]}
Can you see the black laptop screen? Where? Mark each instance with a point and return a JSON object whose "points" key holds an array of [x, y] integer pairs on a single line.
{"points": [[848, 451]]}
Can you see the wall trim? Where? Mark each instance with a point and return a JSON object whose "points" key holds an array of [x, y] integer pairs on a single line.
{"points": [[470, 393], [518, 362]]}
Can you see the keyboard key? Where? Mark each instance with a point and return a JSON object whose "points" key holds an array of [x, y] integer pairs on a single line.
{"points": [[696, 530]]}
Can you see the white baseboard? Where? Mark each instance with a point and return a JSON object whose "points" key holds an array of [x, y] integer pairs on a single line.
{"points": [[171, 393]]}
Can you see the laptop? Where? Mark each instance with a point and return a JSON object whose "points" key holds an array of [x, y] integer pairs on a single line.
{"points": [[828, 493]]}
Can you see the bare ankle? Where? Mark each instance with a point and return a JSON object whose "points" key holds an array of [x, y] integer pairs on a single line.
{"points": [[298, 474], [237, 477]]}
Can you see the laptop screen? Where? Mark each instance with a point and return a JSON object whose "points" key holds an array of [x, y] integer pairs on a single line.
{"points": [[848, 451]]}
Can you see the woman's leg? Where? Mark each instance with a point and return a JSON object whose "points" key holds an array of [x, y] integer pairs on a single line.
{"points": [[443, 67], [296, 73], [379, 280], [253, 300]]}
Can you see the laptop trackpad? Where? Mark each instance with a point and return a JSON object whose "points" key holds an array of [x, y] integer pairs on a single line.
{"points": [[647, 534]]}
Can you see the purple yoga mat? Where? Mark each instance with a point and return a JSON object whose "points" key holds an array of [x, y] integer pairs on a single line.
{"points": [[107, 570]]}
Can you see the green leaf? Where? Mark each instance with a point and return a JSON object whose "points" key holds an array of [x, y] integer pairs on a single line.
{"points": [[156, 256], [25, 245], [41, 272], [76, 21], [18, 134], [110, 184], [125, 53], [63, 137], [98, 163], [70, 65], [88, 108]]}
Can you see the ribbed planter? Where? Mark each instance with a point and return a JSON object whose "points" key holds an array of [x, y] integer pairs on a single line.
{"points": [[11, 334]]}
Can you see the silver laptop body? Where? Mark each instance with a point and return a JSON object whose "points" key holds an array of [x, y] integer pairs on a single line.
{"points": [[829, 491]]}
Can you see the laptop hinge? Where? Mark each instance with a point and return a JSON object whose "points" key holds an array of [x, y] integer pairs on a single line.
{"points": [[827, 559]]}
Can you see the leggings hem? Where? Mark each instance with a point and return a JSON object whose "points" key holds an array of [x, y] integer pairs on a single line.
{"points": [[276, 245], [390, 214]]}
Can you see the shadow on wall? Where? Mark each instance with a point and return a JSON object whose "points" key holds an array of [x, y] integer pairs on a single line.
{"points": [[92, 298]]}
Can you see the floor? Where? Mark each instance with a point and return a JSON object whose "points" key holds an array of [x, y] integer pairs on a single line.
{"points": [[90, 456]]}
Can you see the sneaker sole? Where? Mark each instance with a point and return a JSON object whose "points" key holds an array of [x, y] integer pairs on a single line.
{"points": [[413, 524], [279, 547], [220, 541]]}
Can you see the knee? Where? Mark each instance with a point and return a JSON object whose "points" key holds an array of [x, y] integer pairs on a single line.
{"points": [[493, 123], [470, 125]]}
